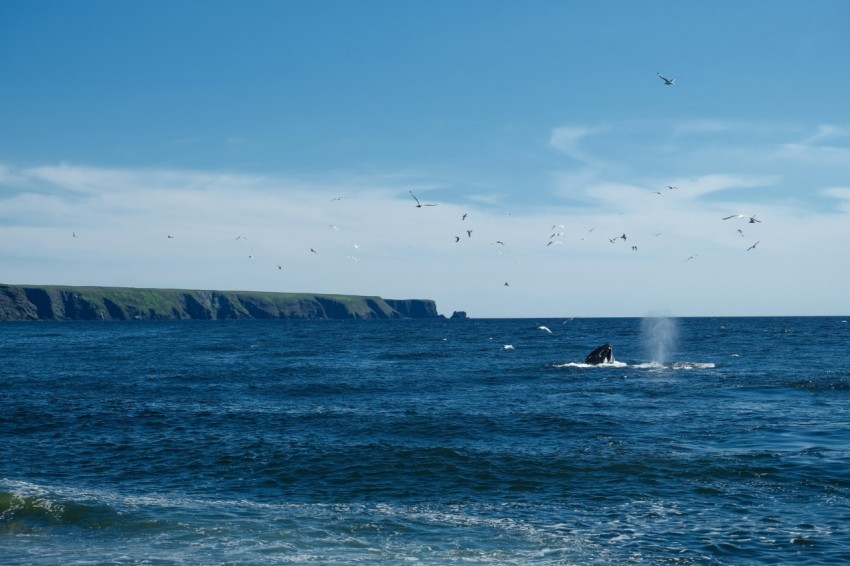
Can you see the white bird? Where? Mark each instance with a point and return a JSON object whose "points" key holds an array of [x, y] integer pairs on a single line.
{"points": [[752, 218], [507, 347], [541, 327], [668, 82], [418, 204]]}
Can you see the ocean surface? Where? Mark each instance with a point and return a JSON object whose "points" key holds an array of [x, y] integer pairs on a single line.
{"points": [[706, 441]]}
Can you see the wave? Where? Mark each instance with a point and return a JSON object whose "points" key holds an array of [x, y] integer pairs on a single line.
{"points": [[27, 513]]}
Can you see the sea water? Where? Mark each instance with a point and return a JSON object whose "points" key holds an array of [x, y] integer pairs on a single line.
{"points": [[431, 441]]}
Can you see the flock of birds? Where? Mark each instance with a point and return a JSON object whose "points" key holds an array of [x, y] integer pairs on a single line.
{"points": [[557, 233]]}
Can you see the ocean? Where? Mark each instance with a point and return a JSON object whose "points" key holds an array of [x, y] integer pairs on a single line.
{"points": [[706, 441]]}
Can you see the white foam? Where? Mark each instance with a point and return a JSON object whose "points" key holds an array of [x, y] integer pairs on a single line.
{"points": [[612, 364]]}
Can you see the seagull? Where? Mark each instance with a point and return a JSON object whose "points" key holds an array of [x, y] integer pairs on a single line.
{"points": [[500, 242], [634, 248], [672, 188], [457, 239], [668, 82], [74, 234], [469, 233], [541, 327], [556, 242], [656, 234], [418, 204], [690, 258], [337, 198], [741, 232], [753, 246], [752, 218], [464, 216], [279, 268], [170, 237], [506, 284], [240, 238], [658, 193], [508, 347], [314, 251]]}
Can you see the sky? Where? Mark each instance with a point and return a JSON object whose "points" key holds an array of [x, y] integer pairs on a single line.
{"points": [[278, 146]]}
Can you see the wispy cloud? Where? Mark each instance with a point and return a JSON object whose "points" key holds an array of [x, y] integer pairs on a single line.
{"points": [[568, 140]]}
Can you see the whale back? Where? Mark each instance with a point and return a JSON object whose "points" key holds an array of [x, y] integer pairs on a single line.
{"points": [[604, 354]]}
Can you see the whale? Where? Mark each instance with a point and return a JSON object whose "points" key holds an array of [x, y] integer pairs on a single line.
{"points": [[604, 354]]}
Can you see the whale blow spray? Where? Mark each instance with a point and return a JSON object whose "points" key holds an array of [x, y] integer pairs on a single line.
{"points": [[659, 335]]}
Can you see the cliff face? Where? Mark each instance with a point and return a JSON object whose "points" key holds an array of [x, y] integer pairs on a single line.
{"points": [[120, 303]]}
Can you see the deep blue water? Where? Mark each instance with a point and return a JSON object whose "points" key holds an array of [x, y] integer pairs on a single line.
{"points": [[708, 441]]}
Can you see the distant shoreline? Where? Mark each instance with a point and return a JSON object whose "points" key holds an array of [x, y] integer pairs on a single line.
{"points": [[60, 302]]}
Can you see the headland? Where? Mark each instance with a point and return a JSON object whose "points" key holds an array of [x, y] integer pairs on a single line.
{"points": [[58, 302]]}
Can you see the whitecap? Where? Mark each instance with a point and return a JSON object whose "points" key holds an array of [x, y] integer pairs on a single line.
{"points": [[693, 365]]}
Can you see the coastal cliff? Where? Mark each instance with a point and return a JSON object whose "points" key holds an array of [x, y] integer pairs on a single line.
{"points": [[37, 302]]}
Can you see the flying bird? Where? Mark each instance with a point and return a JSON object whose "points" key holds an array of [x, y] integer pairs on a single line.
{"points": [[469, 233], [690, 258], [752, 218], [741, 232], [672, 188], [658, 193], [418, 204], [753, 246], [668, 82], [544, 328], [337, 198], [170, 237], [314, 251], [464, 216], [457, 239]]}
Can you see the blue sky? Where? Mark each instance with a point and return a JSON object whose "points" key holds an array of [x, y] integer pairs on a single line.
{"points": [[125, 122]]}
